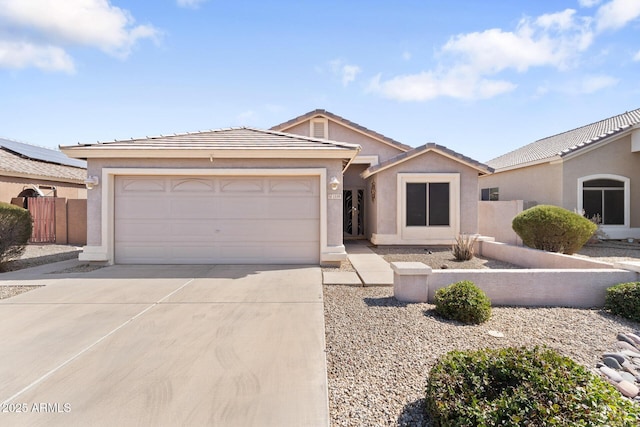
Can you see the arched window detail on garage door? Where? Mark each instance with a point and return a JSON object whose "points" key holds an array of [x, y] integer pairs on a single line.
{"points": [[606, 196]]}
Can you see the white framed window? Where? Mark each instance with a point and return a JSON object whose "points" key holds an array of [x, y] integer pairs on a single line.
{"points": [[319, 128], [429, 205], [606, 196]]}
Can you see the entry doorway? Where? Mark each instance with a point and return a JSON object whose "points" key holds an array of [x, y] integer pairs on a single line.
{"points": [[353, 219]]}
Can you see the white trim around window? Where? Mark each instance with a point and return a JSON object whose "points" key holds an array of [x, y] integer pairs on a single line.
{"points": [[426, 234], [609, 229]]}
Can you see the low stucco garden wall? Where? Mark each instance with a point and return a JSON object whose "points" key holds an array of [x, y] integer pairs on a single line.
{"points": [[571, 282], [533, 258]]}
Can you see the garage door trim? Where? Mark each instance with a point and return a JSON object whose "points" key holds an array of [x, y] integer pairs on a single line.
{"points": [[106, 251]]}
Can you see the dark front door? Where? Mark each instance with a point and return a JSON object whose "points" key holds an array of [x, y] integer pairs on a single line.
{"points": [[353, 213]]}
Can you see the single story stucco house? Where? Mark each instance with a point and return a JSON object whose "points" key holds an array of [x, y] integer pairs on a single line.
{"points": [[290, 194], [593, 169]]}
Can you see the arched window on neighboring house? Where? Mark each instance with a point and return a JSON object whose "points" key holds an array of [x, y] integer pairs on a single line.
{"points": [[607, 196]]}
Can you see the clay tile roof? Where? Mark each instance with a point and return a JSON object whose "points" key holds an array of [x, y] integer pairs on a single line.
{"points": [[567, 142], [338, 119], [245, 138], [481, 167]]}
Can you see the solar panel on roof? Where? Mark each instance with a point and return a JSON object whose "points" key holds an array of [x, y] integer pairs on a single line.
{"points": [[41, 153]]}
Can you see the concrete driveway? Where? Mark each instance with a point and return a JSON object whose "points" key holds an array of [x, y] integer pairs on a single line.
{"points": [[166, 345]]}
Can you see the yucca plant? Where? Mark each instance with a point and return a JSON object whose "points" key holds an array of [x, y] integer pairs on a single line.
{"points": [[463, 249]]}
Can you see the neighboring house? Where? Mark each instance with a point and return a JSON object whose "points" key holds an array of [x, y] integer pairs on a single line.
{"points": [[593, 169], [30, 171], [291, 194]]}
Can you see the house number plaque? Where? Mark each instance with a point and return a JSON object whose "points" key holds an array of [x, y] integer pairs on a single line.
{"points": [[335, 196]]}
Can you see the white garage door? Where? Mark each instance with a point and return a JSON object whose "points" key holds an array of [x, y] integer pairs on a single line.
{"points": [[216, 220]]}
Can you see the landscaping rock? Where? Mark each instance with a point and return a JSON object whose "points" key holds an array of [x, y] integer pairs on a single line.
{"points": [[635, 338], [631, 353], [627, 388], [612, 374], [624, 338], [626, 346], [622, 369], [611, 363], [626, 376], [621, 358], [629, 367]]}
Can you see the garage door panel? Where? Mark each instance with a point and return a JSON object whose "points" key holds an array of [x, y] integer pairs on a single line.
{"points": [[202, 220], [141, 207]]}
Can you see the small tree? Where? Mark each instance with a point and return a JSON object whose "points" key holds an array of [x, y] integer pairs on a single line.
{"points": [[554, 229], [15, 230]]}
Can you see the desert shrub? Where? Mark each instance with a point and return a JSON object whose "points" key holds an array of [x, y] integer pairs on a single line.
{"points": [[15, 231], [520, 386], [463, 301], [624, 300], [463, 249], [553, 229]]}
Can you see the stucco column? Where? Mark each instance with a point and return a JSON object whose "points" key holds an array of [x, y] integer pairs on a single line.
{"points": [[410, 281]]}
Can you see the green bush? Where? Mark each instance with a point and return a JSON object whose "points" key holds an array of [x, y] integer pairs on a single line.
{"points": [[624, 300], [15, 230], [464, 302], [519, 386], [553, 229]]}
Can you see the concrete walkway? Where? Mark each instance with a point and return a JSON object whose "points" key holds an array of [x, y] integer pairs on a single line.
{"points": [[371, 268], [165, 345]]}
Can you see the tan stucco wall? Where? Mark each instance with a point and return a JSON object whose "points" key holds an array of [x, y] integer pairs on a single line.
{"points": [[431, 162], [614, 158], [94, 202], [352, 178], [370, 146], [540, 183], [338, 132], [10, 187]]}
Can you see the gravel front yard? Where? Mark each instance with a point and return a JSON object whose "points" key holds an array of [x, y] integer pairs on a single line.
{"points": [[380, 351]]}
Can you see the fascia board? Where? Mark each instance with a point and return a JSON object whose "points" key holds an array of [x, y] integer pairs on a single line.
{"points": [[367, 174], [248, 153], [41, 177]]}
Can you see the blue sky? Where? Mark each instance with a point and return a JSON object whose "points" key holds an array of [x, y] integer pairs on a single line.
{"points": [[480, 77]]}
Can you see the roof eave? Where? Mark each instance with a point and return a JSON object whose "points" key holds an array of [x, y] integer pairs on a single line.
{"points": [[529, 164], [282, 127], [41, 177], [373, 170], [208, 153]]}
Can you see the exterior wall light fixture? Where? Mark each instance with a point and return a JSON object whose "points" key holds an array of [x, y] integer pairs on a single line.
{"points": [[334, 183], [91, 181]]}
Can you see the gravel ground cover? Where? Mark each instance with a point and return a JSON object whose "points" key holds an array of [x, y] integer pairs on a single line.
{"points": [[436, 257], [33, 256], [379, 351]]}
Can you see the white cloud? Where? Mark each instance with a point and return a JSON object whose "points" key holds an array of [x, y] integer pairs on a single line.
{"points": [[346, 72], [244, 117], [588, 3], [428, 85], [23, 54], [549, 40], [589, 85], [94, 23], [194, 4], [470, 61], [617, 14]]}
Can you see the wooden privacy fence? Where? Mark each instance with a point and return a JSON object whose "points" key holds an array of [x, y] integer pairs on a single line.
{"points": [[43, 213]]}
